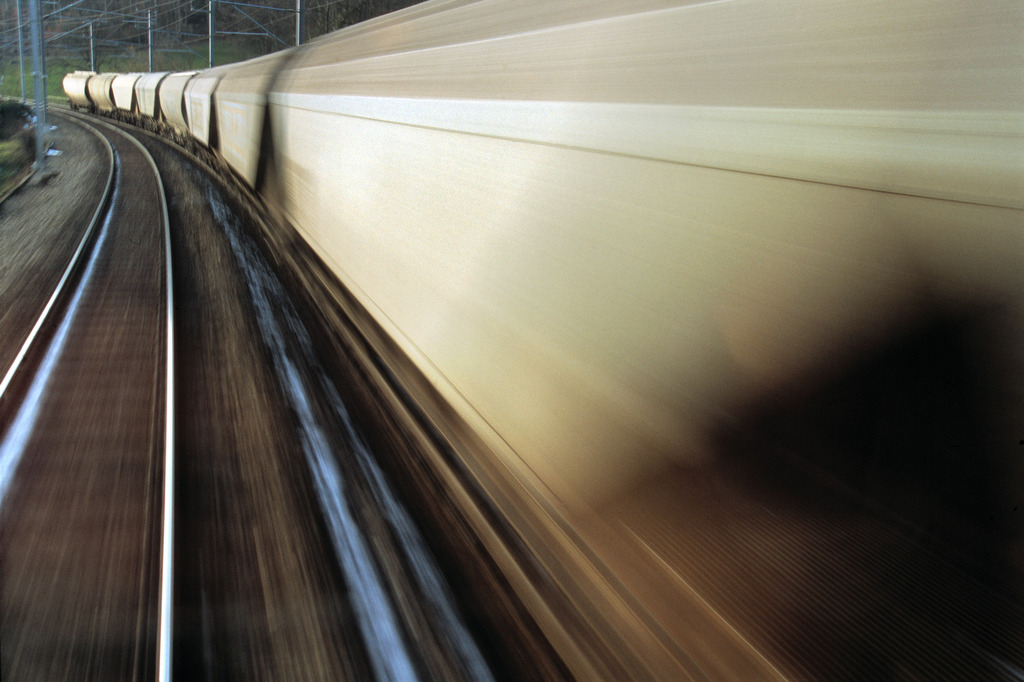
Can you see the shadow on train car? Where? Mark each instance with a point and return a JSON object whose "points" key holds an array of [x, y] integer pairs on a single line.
{"points": [[838, 518]]}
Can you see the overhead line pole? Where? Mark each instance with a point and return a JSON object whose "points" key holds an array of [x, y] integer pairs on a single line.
{"points": [[212, 32], [42, 62], [21, 51], [300, 22], [33, 10], [92, 48], [149, 21]]}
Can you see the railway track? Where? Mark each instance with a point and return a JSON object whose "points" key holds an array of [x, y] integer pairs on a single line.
{"points": [[87, 432], [31, 300]]}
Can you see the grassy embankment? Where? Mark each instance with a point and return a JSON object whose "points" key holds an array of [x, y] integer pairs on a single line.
{"points": [[16, 143]]}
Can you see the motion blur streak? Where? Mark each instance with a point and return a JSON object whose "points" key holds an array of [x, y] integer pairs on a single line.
{"points": [[377, 619], [291, 348], [424, 568], [21, 428]]}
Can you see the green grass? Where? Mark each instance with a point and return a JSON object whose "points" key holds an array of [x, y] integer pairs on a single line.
{"points": [[227, 51], [14, 160], [16, 143]]}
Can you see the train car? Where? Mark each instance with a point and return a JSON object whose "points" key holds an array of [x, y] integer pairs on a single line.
{"points": [[101, 91], [76, 88], [146, 93], [241, 103], [517, 142], [123, 88], [172, 99], [198, 101], [599, 230]]}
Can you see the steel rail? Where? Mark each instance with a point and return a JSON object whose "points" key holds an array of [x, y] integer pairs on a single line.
{"points": [[73, 265], [166, 560]]}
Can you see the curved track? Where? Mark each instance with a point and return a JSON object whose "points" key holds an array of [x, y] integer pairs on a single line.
{"points": [[12, 356], [85, 446]]}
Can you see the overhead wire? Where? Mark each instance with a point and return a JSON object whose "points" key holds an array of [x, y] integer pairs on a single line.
{"points": [[168, 20]]}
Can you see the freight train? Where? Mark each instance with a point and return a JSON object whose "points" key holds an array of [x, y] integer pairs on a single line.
{"points": [[600, 232]]}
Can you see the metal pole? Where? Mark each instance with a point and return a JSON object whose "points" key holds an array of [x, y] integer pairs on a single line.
{"points": [[92, 49], [300, 22], [212, 32], [33, 11], [149, 19], [21, 51], [42, 62]]}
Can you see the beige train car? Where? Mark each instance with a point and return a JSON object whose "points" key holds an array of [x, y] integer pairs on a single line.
{"points": [[198, 102], [241, 111], [146, 92], [697, 191], [123, 88], [101, 90], [601, 229], [172, 99], [76, 88]]}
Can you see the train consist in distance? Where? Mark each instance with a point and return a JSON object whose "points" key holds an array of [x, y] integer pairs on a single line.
{"points": [[602, 231]]}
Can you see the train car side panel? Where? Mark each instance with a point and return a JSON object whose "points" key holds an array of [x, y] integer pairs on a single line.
{"points": [[172, 99], [101, 92], [596, 239], [198, 98], [419, 203], [123, 88], [241, 102], [146, 92]]}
